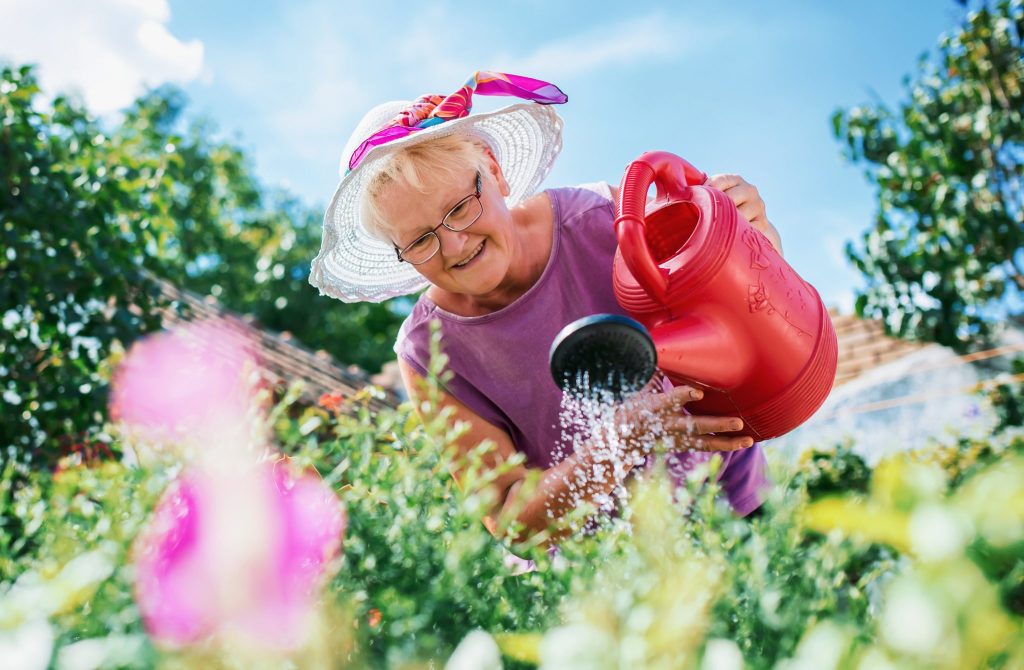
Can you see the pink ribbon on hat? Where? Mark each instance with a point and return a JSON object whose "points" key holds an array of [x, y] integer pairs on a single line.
{"points": [[430, 110]]}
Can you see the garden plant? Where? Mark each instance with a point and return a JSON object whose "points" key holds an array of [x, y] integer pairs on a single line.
{"points": [[159, 508], [917, 562]]}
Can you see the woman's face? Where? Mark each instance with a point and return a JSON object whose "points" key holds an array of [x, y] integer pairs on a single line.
{"points": [[410, 214]]}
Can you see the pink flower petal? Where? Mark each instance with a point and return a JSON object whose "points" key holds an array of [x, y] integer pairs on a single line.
{"points": [[179, 573], [175, 383]]}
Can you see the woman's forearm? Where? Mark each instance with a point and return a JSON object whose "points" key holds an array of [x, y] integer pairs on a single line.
{"points": [[561, 489]]}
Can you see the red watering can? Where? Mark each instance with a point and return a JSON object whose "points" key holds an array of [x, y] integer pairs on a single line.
{"points": [[726, 312]]}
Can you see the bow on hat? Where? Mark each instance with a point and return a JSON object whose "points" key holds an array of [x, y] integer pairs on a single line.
{"points": [[430, 110]]}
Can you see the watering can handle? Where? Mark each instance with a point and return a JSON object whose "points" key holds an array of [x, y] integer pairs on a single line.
{"points": [[673, 177]]}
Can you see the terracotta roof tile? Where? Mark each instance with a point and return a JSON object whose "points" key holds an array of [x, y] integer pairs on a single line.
{"points": [[863, 345], [283, 359]]}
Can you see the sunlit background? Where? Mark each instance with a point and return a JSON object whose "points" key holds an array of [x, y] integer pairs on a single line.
{"points": [[744, 86]]}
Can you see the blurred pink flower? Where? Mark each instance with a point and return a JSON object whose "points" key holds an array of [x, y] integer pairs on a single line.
{"points": [[185, 381], [192, 582]]}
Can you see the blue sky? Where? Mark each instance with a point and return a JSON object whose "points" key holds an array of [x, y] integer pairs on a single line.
{"points": [[744, 86]]}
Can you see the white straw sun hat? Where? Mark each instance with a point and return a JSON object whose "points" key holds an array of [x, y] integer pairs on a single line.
{"points": [[354, 266]]}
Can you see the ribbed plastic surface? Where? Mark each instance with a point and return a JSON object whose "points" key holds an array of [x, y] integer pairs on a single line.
{"points": [[801, 400], [725, 310]]}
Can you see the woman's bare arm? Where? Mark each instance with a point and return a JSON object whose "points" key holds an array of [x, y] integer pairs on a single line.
{"points": [[575, 479], [560, 489]]}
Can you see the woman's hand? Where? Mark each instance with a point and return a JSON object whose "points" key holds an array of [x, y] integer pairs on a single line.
{"points": [[653, 415], [660, 414], [748, 202]]}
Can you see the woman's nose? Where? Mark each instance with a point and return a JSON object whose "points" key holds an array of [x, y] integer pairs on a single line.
{"points": [[452, 243]]}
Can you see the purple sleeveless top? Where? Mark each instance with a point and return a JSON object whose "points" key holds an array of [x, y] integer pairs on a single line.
{"points": [[499, 360]]}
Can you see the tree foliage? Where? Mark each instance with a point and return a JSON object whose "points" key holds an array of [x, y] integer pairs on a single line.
{"points": [[84, 209], [668, 579], [70, 266], [217, 231], [945, 255]]}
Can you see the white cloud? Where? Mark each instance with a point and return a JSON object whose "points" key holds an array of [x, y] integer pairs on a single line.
{"points": [[649, 37], [814, 239], [108, 51], [645, 39], [303, 77], [338, 83]]}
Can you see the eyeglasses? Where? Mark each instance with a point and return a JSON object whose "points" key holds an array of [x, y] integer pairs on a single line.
{"points": [[463, 215]]}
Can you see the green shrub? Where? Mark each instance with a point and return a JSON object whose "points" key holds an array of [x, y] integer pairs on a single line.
{"points": [[666, 583]]}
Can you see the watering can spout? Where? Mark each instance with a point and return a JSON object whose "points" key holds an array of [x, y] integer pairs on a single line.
{"points": [[704, 349]]}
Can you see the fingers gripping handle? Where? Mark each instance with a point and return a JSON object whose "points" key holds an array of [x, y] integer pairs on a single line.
{"points": [[672, 176]]}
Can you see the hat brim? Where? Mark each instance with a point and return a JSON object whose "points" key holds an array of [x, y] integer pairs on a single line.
{"points": [[354, 266]]}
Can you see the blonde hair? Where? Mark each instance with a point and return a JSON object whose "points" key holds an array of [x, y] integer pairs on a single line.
{"points": [[445, 156]]}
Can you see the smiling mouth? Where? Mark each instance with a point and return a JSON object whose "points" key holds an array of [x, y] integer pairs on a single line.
{"points": [[476, 253]]}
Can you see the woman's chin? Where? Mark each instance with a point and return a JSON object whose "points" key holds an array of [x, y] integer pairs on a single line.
{"points": [[478, 284]]}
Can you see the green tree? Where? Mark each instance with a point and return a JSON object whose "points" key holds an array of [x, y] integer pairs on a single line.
{"points": [[85, 209], [946, 252], [71, 288], [215, 230]]}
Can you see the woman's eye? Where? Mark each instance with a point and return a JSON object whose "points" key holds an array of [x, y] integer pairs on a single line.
{"points": [[458, 211], [420, 243]]}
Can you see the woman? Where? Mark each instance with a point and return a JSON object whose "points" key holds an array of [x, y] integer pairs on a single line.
{"points": [[434, 197]]}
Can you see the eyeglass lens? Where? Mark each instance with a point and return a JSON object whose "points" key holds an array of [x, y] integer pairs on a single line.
{"points": [[461, 217]]}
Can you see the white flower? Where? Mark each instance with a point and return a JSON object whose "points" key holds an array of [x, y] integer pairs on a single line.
{"points": [[722, 655], [911, 621], [102, 652], [937, 533], [822, 648], [576, 647], [477, 651], [28, 646]]}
